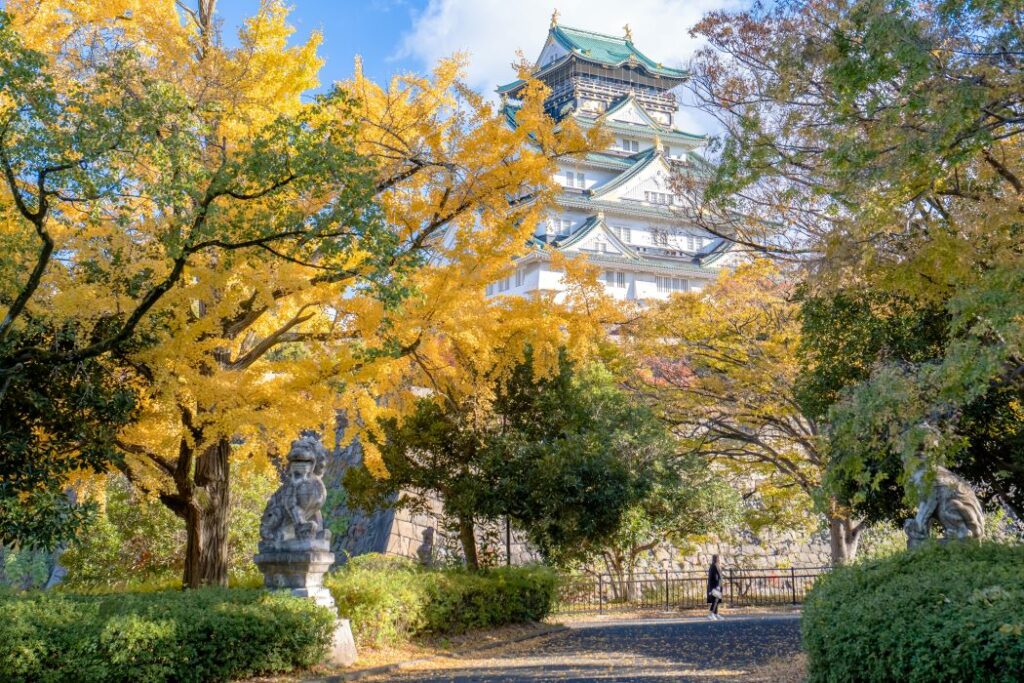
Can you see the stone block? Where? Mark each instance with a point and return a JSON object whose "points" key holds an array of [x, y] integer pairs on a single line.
{"points": [[405, 529]]}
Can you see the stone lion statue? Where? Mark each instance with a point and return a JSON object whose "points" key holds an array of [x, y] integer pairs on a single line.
{"points": [[294, 511], [951, 502]]}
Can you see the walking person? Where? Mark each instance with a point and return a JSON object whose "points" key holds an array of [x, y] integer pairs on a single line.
{"points": [[714, 589]]}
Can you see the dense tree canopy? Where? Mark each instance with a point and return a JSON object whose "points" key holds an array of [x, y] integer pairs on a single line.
{"points": [[124, 185], [720, 368], [562, 456], [879, 143], [252, 260]]}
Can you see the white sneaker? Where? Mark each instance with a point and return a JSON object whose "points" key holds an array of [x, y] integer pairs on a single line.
{"points": [[718, 617], [712, 617]]}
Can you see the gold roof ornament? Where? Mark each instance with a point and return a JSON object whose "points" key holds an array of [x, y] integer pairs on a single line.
{"points": [[657, 143], [629, 33], [554, 18]]}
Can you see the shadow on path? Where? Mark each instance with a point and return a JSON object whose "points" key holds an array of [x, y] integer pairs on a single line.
{"points": [[738, 649]]}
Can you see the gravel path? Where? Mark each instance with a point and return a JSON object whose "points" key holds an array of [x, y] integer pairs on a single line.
{"points": [[747, 649]]}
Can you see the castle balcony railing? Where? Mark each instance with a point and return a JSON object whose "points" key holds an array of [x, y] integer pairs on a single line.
{"points": [[612, 90]]}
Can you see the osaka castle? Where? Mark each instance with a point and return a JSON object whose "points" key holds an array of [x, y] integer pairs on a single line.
{"points": [[616, 206]]}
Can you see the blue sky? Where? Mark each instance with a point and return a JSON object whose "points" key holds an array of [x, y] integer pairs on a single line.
{"points": [[371, 28], [411, 35]]}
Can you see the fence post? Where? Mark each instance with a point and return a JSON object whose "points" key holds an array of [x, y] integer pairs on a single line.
{"points": [[731, 587], [792, 582], [600, 593], [666, 589]]}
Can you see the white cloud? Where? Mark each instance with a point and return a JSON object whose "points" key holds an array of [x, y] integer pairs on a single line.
{"points": [[491, 31]]}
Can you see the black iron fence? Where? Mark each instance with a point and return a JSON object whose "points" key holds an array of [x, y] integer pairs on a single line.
{"points": [[680, 590]]}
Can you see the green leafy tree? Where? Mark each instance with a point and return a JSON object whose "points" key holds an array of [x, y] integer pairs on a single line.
{"points": [[847, 335], [880, 144], [686, 498], [562, 457]]}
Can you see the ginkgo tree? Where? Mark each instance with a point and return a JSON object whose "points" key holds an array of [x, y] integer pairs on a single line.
{"points": [[390, 209], [123, 181]]}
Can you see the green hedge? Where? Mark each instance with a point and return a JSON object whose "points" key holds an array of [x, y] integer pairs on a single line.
{"points": [[943, 613], [390, 600], [204, 635]]}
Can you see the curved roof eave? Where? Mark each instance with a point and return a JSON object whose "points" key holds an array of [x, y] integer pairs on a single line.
{"points": [[652, 155], [606, 43], [592, 223]]}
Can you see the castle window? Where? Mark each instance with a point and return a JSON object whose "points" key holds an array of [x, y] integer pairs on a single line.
{"points": [[615, 278], [573, 179], [623, 234], [630, 145], [659, 198], [667, 285]]}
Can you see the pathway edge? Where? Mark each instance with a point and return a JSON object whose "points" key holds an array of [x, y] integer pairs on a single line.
{"points": [[410, 663]]}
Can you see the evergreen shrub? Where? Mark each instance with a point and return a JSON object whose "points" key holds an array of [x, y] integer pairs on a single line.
{"points": [[950, 612], [383, 597], [459, 601], [203, 635], [391, 600]]}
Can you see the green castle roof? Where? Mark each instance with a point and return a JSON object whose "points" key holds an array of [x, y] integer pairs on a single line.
{"points": [[602, 49], [610, 50], [508, 87]]}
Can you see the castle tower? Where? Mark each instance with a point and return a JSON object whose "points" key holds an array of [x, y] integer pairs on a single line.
{"points": [[617, 206]]}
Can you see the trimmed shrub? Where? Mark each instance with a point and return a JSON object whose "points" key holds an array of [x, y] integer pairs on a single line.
{"points": [[383, 597], [390, 600], [459, 601], [943, 613], [204, 635]]}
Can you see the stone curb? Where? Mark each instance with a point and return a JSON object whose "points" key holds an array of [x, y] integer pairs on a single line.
{"points": [[408, 664]]}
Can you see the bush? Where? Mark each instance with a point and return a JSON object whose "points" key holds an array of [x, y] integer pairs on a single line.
{"points": [[383, 597], [136, 539], [205, 635], [942, 613], [390, 600], [459, 601]]}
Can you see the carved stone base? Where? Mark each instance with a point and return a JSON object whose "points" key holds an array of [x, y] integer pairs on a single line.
{"points": [[296, 569], [302, 572], [343, 649]]}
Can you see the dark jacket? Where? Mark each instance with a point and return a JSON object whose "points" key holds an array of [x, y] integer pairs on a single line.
{"points": [[714, 581]]}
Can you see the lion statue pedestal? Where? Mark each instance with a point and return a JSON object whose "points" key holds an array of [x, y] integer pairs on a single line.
{"points": [[295, 548]]}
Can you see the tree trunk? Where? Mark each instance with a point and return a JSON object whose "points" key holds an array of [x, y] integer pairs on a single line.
{"points": [[468, 539], [619, 587], [206, 519], [844, 536]]}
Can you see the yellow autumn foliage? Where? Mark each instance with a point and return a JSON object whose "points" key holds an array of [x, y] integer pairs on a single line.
{"points": [[720, 367], [252, 345]]}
